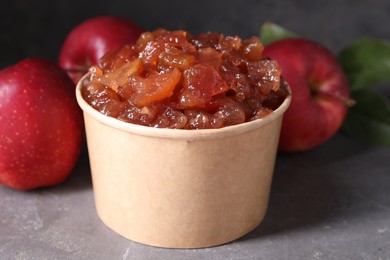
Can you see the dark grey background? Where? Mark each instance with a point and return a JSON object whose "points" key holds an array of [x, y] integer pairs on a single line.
{"points": [[38, 28], [332, 202]]}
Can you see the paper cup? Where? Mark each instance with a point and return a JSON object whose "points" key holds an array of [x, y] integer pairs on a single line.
{"points": [[181, 188]]}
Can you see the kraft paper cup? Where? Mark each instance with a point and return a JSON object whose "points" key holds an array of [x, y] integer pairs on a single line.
{"points": [[181, 188]]}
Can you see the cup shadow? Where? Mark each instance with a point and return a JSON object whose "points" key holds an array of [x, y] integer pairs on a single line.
{"points": [[305, 193]]}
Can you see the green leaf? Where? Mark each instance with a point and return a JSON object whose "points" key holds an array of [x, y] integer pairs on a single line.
{"points": [[271, 32], [369, 118], [366, 63]]}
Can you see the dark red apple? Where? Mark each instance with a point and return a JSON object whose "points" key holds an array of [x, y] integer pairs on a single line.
{"points": [[41, 125], [320, 92], [87, 42]]}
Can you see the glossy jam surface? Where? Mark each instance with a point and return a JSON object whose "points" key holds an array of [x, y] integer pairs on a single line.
{"points": [[171, 79]]}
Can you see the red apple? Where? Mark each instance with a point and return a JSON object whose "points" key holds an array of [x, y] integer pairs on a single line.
{"points": [[320, 93], [87, 42], [40, 125]]}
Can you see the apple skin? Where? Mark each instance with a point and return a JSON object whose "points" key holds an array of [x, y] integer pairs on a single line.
{"points": [[320, 93], [41, 125], [89, 41]]}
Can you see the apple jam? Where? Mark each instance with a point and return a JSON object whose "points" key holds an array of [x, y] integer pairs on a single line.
{"points": [[172, 79]]}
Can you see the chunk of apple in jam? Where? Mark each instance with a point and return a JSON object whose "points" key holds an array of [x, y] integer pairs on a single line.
{"points": [[119, 76], [154, 88], [201, 82]]}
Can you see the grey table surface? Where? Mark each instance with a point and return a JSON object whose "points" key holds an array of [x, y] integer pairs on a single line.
{"points": [[332, 202]]}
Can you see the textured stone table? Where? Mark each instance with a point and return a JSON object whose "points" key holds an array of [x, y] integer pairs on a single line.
{"points": [[330, 203]]}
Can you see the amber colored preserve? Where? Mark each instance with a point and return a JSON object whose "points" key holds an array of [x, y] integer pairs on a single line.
{"points": [[172, 79]]}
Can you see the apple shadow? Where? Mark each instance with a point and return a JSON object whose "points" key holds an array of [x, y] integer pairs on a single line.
{"points": [[305, 193], [80, 177]]}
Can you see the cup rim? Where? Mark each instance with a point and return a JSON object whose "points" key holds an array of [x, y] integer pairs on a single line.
{"points": [[187, 134]]}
